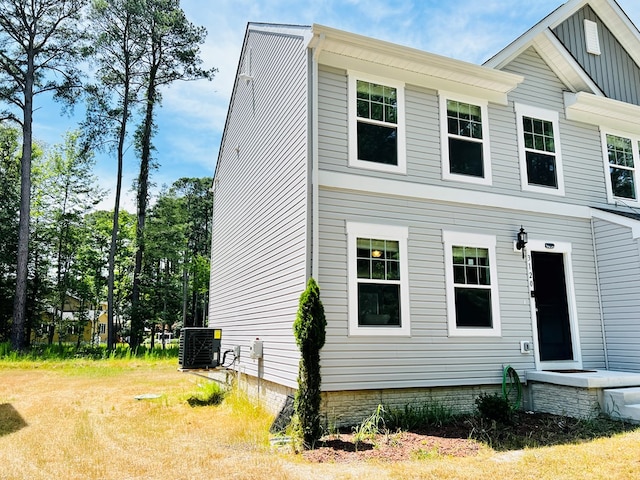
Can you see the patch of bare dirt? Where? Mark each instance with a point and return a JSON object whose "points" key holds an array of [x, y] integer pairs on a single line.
{"points": [[390, 447]]}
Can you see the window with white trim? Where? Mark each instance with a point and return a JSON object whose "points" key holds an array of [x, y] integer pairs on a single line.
{"points": [[539, 146], [473, 307], [465, 139], [621, 159], [376, 124], [378, 279]]}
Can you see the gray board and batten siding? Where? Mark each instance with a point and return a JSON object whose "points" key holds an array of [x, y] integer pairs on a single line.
{"points": [[581, 143], [260, 246], [618, 256], [614, 71]]}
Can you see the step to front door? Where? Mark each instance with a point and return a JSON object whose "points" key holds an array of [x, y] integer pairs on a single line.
{"points": [[623, 403]]}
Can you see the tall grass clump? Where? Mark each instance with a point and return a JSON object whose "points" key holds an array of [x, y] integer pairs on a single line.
{"points": [[66, 351], [208, 393], [413, 417]]}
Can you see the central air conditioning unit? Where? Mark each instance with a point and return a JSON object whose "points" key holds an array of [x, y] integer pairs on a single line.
{"points": [[199, 347]]}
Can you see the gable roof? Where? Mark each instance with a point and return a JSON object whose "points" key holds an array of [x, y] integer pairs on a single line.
{"points": [[543, 39]]}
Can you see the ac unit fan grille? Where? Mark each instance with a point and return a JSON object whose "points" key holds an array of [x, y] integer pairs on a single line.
{"points": [[199, 347]]}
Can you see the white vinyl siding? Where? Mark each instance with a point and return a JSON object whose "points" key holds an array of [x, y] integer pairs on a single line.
{"points": [[582, 166], [430, 357], [618, 255], [259, 250]]}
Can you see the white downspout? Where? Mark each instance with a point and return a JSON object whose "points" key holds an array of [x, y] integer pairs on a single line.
{"points": [[602, 326]]}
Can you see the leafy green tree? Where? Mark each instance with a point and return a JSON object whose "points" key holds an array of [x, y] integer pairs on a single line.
{"points": [[71, 192], [198, 207], [309, 330], [118, 46], [93, 263], [39, 46], [172, 54], [161, 296]]}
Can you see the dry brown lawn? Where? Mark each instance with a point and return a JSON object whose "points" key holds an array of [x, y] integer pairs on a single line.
{"points": [[80, 420]]}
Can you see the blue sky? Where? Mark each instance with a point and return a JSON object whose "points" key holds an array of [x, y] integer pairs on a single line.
{"points": [[192, 116]]}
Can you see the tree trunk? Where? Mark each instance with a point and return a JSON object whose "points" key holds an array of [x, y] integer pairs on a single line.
{"points": [[137, 322], [18, 334], [111, 334]]}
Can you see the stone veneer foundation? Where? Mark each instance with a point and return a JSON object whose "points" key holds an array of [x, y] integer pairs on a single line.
{"points": [[575, 395]]}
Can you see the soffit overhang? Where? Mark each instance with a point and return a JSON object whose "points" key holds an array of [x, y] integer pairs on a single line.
{"points": [[350, 51], [601, 111]]}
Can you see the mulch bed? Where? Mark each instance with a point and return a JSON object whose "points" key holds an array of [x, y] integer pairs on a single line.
{"points": [[463, 437]]}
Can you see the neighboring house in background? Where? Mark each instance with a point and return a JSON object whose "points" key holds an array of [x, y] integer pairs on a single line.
{"points": [[400, 180], [94, 329]]}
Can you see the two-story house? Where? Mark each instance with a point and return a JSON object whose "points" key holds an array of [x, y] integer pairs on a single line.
{"points": [[401, 180]]}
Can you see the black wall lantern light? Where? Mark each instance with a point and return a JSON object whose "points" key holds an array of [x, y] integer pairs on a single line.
{"points": [[522, 240]]}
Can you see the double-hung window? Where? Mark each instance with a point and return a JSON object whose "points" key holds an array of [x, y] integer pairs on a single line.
{"points": [[378, 280], [472, 284], [376, 124], [540, 157], [621, 159], [465, 139]]}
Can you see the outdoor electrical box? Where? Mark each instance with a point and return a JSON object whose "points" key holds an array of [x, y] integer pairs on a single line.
{"points": [[526, 347], [256, 349], [199, 347]]}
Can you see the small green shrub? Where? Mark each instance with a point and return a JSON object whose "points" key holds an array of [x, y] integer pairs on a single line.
{"points": [[309, 331], [209, 393], [494, 407]]}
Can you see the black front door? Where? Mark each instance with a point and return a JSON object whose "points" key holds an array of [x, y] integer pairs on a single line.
{"points": [[552, 309]]}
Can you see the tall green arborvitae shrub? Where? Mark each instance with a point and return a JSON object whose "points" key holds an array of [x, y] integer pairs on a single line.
{"points": [[309, 330]]}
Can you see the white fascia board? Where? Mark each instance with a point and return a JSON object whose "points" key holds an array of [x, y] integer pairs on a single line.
{"points": [[519, 45], [563, 64], [601, 111], [619, 23], [633, 225], [404, 189], [609, 12], [303, 31], [355, 52]]}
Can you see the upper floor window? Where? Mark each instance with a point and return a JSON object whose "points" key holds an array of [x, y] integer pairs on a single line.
{"points": [[472, 284], [378, 280], [376, 121], [465, 139], [621, 158], [539, 142]]}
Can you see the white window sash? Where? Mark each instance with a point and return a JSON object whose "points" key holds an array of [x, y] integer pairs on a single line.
{"points": [[611, 198], [445, 135], [354, 161], [383, 232], [549, 116], [451, 239]]}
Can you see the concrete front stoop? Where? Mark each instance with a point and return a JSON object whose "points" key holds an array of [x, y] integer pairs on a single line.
{"points": [[585, 393], [623, 403]]}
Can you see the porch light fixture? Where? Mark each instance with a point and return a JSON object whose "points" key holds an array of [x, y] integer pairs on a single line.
{"points": [[522, 240]]}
